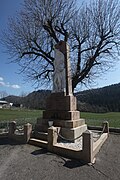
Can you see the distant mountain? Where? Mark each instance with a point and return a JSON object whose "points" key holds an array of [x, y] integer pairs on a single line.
{"points": [[34, 100], [95, 100], [100, 100], [16, 100]]}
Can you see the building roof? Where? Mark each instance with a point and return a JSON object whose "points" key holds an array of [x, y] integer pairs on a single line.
{"points": [[3, 102]]}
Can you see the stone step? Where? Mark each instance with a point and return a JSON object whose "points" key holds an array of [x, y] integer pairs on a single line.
{"points": [[42, 121], [40, 135], [73, 133], [38, 142], [41, 127], [69, 123], [66, 115]]}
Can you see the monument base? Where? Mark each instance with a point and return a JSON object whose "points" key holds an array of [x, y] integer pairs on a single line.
{"points": [[62, 110], [73, 134], [70, 130]]}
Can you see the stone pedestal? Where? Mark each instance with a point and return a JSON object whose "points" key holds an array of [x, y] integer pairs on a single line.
{"points": [[62, 110], [61, 106]]}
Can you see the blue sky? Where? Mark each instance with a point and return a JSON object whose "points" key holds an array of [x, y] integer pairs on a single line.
{"points": [[13, 83], [10, 81]]}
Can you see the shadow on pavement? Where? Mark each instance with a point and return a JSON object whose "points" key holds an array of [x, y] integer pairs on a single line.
{"points": [[5, 141], [39, 151], [69, 163], [73, 164]]}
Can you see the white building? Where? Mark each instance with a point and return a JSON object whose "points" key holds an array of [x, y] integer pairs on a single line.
{"points": [[5, 104]]}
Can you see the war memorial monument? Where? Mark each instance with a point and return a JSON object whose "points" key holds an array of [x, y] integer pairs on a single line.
{"points": [[61, 119], [61, 106]]}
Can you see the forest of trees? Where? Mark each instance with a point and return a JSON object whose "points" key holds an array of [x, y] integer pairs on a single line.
{"points": [[106, 99]]}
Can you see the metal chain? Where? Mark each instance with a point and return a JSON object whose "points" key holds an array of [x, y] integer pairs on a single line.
{"points": [[100, 133], [19, 129], [71, 140]]}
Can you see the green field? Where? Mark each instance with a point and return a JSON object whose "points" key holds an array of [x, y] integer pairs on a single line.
{"points": [[23, 116], [96, 119]]}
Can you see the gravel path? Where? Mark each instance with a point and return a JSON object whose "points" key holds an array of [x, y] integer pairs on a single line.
{"points": [[27, 162]]}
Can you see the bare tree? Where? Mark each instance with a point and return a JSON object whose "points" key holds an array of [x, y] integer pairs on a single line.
{"points": [[92, 31], [23, 94], [3, 94]]}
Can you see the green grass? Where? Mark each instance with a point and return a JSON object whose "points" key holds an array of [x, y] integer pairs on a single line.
{"points": [[24, 116], [96, 119], [20, 116]]}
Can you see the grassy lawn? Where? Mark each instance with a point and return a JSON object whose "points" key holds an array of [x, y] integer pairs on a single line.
{"points": [[96, 119], [24, 115], [20, 116]]}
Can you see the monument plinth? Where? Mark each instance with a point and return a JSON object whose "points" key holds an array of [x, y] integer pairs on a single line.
{"points": [[61, 106]]}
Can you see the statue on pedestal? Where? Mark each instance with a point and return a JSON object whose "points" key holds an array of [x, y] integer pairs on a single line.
{"points": [[62, 81], [59, 83]]}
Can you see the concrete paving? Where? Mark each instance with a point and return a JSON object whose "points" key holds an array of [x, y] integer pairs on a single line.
{"points": [[27, 162]]}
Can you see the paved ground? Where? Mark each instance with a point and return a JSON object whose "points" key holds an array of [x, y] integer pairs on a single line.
{"points": [[26, 162]]}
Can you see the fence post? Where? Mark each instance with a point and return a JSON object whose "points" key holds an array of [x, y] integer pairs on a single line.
{"points": [[52, 137], [105, 125], [12, 128], [88, 146], [27, 132]]}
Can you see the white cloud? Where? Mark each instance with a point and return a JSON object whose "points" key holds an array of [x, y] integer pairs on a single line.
{"points": [[7, 84], [15, 86], [1, 79], [2, 83]]}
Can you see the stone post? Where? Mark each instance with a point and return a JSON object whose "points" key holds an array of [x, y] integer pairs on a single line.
{"points": [[105, 125], [52, 137], [12, 128], [68, 70], [27, 132], [88, 146]]}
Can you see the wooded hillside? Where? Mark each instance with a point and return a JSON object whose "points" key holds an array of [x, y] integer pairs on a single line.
{"points": [[106, 99], [100, 100]]}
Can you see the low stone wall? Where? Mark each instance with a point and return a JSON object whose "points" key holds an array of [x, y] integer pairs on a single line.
{"points": [[89, 149], [3, 135], [97, 145], [99, 128], [24, 137]]}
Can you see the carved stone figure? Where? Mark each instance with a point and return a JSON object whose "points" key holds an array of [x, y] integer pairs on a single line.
{"points": [[59, 82]]}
